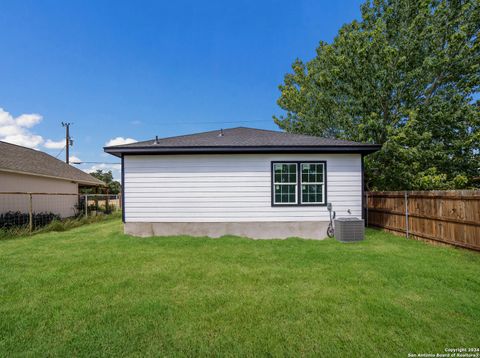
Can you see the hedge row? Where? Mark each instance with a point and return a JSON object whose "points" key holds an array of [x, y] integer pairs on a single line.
{"points": [[13, 219]]}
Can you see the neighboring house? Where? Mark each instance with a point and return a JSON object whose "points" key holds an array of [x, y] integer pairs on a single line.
{"points": [[240, 181], [25, 170]]}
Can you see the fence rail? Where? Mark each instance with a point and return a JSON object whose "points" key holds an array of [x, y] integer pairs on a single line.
{"points": [[449, 217]]}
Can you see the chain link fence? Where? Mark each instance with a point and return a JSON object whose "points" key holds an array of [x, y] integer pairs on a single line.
{"points": [[98, 204], [22, 210]]}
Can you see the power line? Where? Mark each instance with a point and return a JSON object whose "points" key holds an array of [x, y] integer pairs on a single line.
{"points": [[229, 122], [94, 163], [60, 152]]}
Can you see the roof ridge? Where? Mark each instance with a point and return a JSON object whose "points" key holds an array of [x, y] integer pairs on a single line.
{"points": [[298, 134], [232, 128], [182, 136], [192, 134], [171, 137]]}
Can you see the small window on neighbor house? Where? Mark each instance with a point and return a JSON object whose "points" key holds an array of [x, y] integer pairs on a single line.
{"points": [[312, 181], [285, 183]]}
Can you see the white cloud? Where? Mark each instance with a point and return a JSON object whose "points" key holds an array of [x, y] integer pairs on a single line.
{"points": [[52, 144], [136, 122], [103, 167], [16, 130], [28, 120], [11, 129], [73, 159], [25, 140], [120, 141]]}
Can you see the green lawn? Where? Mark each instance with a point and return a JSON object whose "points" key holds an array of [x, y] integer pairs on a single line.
{"points": [[94, 291]]}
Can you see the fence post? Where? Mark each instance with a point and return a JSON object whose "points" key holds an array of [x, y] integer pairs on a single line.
{"points": [[406, 214], [366, 206], [86, 205], [107, 206], [30, 213]]}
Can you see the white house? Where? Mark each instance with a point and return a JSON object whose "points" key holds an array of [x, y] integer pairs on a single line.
{"points": [[240, 181], [55, 184]]}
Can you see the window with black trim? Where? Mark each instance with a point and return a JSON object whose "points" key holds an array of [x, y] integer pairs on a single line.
{"points": [[312, 183], [298, 183], [285, 183]]}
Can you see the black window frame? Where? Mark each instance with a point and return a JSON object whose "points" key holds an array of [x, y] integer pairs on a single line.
{"points": [[299, 187]]}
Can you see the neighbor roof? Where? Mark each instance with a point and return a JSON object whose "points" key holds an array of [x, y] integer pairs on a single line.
{"points": [[242, 140], [18, 159]]}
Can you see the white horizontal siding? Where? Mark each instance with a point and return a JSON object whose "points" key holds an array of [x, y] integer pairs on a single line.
{"points": [[236, 188]]}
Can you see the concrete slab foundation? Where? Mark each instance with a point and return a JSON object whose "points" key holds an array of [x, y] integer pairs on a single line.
{"points": [[256, 230]]}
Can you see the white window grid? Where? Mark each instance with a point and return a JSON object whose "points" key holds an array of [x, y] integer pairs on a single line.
{"points": [[279, 183], [322, 183]]}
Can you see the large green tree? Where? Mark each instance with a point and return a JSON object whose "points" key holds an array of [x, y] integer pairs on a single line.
{"points": [[114, 187], [406, 76]]}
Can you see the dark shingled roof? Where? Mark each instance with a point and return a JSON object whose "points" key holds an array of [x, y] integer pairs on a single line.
{"points": [[15, 158], [242, 140]]}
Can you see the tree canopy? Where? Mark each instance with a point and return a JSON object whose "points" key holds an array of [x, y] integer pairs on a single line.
{"points": [[405, 76], [114, 187]]}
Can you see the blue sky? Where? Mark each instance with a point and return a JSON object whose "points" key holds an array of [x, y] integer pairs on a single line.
{"points": [[143, 68]]}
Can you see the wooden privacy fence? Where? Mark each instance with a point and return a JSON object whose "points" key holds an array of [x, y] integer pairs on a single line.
{"points": [[450, 217]]}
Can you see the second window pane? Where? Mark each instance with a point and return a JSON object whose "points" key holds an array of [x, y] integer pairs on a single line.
{"points": [[312, 193]]}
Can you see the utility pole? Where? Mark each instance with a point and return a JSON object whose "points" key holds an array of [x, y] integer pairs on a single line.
{"points": [[68, 141]]}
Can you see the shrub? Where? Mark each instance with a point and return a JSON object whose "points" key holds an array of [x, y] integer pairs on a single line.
{"points": [[71, 223], [12, 219], [56, 224]]}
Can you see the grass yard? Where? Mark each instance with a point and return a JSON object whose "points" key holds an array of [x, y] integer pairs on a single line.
{"points": [[93, 291]]}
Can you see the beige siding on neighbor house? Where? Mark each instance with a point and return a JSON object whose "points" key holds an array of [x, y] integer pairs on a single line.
{"points": [[230, 188], [62, 205]]}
